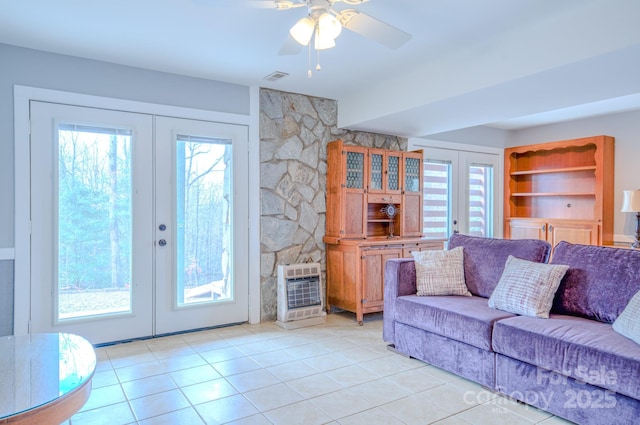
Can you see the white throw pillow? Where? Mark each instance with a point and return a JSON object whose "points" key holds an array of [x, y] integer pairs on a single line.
{"points": [[440, 272], [628, 323], [527, 287]]}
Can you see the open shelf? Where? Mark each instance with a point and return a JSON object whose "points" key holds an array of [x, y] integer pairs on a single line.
{"points": [[553, 170], [554, 194]]}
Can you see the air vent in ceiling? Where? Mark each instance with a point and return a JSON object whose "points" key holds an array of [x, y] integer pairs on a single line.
{"points": [[275, 76]]}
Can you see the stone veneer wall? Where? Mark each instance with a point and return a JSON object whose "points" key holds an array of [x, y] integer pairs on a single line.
{"points": [[294, 132]]}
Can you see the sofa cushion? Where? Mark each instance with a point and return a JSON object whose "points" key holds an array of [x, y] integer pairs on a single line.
{"points": [[527, 287], [440, 272], [628, 323], [600, 281], [484, 258], [586, 350], [465, 319]]}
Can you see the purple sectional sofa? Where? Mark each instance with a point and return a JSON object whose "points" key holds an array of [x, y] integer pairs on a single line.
{"points": [[573, 364]]}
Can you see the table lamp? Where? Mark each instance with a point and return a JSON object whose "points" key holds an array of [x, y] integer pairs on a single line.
{"points": [[631, 203]]}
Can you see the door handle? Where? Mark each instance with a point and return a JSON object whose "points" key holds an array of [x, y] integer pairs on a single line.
{"points": [[162, 242]]}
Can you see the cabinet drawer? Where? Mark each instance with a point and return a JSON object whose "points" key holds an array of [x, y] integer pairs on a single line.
{"points": [[383, 198]]}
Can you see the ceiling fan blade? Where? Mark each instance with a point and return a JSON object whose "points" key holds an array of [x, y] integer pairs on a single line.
{"points": [[372, 28], [290, 47], [253, 4]]}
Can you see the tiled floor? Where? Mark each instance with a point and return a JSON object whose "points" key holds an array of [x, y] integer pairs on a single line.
{"points": [[336, 373]]}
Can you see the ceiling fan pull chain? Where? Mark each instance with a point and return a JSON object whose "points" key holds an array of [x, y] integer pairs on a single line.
{"points": [[309, 73], [318, 68]]}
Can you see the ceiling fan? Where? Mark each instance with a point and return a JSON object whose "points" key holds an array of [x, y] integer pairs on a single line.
{"points": [[324, 24]]}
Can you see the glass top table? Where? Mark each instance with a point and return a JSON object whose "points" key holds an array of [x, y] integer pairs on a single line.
{"points": [[46, 378]]}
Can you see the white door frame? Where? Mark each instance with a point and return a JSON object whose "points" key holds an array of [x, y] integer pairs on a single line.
{"points": [[22, 265], [418, 143]]}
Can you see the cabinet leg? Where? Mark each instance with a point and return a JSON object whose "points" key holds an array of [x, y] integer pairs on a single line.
{"points": [[360, 322]]}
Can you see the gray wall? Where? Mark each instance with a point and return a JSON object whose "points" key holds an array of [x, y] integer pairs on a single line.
{"points": [[34, 68], [6, 297]]}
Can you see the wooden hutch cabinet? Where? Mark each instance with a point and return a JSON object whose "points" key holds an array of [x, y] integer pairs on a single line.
{"points": [[374, 213], [561, 191]]}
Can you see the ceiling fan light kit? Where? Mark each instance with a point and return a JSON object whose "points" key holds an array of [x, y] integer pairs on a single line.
{"points": [[324, 25]]}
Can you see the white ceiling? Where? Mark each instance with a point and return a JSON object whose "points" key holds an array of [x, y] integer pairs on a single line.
{"points": [[505, 63]]}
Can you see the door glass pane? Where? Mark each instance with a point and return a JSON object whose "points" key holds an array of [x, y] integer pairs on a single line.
{"points": [[94, 221], [376, 172], [437, 199], [355, 170], [480, 200], [203, 212], [393, 175]]}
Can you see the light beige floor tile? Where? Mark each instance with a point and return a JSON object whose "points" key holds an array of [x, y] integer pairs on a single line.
{"points": [[209, 391], [452, 420], [292, 370], [386, 366], [257, 347], [360, 354], [236, 366], [307, 350], [158, 404], [147, 386], [273, 358], [187, 416], [291, 341], [173, 351], [104, 378], [414, 381], [414, 410], [327, 362], [133, 360], [104, 396], [272, 397], [352, 375], [334, 344], [375, 416], [314, 385], [453, 399], [252, 380], [303, 412], [204, 345], [381, 391], [340, 404], [114, 414], [222, 354], [173, 364], [194, 375], [226, 409], [131, 373], [258, 419], [493, 414]]}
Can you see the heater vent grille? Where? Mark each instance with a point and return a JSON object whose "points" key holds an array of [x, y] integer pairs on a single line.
{"points": [[299, 292]]}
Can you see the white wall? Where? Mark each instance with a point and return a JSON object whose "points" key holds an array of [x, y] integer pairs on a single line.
{"points": [[625, 127]]}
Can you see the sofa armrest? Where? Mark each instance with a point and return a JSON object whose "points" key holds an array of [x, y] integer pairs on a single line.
{"points": [[399, 280]]}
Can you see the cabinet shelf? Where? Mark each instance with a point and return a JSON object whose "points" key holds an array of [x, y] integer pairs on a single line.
{"points": [[553, 170], [569, 180], [531, 194]]}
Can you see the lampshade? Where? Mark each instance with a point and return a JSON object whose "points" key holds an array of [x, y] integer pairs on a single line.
{"points": [[329, 26], [631, 202], [323, 42], [302, 31]]}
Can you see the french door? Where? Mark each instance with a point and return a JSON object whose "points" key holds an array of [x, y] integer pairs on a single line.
{"points": [[460, 193], [136, 223]]}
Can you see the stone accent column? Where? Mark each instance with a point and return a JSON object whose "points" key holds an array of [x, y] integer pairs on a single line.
{"points": [[294, 132]]}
